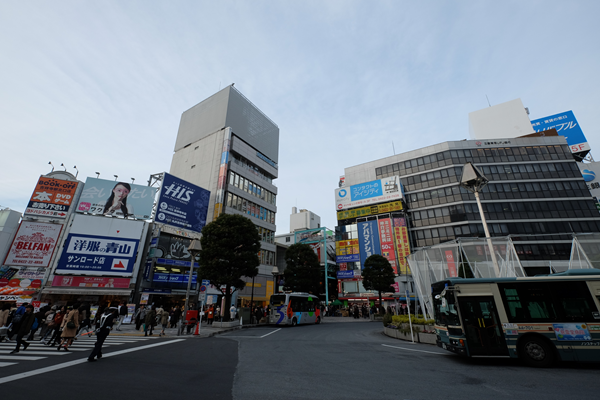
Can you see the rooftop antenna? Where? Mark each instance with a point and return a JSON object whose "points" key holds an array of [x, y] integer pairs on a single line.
{"points": [[50, 162], [488, 100], [393, 147]]}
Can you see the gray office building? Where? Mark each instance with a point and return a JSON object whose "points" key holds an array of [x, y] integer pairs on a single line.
{"points": [[227, 145]]}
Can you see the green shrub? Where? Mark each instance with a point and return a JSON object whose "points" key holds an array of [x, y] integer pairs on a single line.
{"points": [[387, 319], [403, 319]]}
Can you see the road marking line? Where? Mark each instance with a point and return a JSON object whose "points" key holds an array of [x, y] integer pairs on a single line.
{"points": [[37, 353], [421, 351], [270, 333], [76, 362], [21, 358], [3, 364]]}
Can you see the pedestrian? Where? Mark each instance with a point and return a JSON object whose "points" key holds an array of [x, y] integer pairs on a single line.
{"points": [[211, 315], [15, 319], [232, 312], [105, 325], [122, 314], [159, 313], [150, 321], [24, 326], [57, 326], [258, 314], [139, 316], [86, 324], [164, 321], [70, 325], [176, 316]]}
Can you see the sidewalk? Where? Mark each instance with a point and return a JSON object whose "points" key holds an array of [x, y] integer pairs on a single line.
{"points": [[205, 331]]}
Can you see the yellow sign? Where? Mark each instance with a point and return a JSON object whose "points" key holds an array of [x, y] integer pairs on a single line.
{"points": [[255, 285], [371, 210], [345, 247], [269, 289], [402, 244]]}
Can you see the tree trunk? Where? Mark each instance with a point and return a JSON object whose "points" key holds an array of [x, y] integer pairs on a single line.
{"points": [[227, 304], [381, 309]]}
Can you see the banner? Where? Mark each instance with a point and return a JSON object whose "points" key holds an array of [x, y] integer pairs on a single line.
{"points": [[368, 240], [402, 243], [34, 244], [182, 204], [90, 282], [347, 251], [51, 198], [370, 210], [173, 278], [386, 236], [451, 264], [22, 281], [367, 193], [121, 199], [566, 125]]}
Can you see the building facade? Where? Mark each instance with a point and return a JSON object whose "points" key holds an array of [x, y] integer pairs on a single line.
{"points": [[536, 193], [226, 145]]}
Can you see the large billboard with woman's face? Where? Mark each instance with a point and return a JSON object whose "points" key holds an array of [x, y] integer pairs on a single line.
{"points": [[120, 199]]}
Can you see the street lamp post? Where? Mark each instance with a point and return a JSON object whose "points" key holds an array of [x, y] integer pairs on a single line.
{"points": [[473, 180], [194, 248], [274, 272]]}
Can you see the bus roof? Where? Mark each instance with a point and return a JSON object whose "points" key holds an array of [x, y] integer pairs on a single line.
{"points": [[592, 273]]}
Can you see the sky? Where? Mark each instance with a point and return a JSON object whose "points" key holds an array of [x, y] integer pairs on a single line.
{"points": [[102, 85]]}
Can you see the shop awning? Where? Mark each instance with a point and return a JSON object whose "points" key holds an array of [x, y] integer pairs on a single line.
{"points": [[87, 291]]}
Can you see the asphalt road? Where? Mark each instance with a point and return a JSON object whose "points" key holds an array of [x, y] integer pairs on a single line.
{"points": [[329, 361]]}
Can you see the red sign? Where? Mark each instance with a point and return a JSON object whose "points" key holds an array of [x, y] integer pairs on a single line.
{"points": [[451, 264], [386, 235], [91, 282], [52, 197]]}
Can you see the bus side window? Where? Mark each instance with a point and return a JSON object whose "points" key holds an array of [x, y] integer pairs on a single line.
{"points": [[576, 302]]}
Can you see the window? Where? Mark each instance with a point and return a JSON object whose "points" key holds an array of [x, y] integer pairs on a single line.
{"points": [[287, 239]]}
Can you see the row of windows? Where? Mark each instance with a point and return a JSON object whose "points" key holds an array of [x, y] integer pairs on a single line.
{"points": [[505, 211], [548, 251], [248, 166], [247, 207], [433, 236], [494, 173], [250, 187], [266, 257], [266, 235], [479, 155], [499, 191]]}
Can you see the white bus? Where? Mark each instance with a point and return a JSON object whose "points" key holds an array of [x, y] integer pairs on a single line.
{"points": [[295, 308]]}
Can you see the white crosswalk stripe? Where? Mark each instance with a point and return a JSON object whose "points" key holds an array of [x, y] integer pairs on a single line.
{"points": [[38, 351]]}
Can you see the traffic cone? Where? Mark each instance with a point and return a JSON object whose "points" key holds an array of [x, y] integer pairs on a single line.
{"points": [[197, 332]]}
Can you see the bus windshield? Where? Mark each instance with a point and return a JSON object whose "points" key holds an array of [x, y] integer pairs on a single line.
{"points": [[445, 309], [278, 300]]}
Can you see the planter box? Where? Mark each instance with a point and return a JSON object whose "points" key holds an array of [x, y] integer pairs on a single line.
{"points": [[428, 338], [419, 337]]}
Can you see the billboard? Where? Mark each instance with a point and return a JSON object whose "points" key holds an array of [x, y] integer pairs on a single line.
{"points": [[34, 244], [347, 251], [386, 235], [591, 175], [566, 125], [21, 280], [121, 199], [367, 193], [370, 210], [182, 204], [51, 198], [368, 240], [100, 246], [402, 243], [90, 281], [173, 278]]}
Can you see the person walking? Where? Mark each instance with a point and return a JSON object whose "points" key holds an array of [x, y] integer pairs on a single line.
{"points": [[164, 321], [23, 328], [16, 319], [150, 320], [139, 316], [86, 323], [4, 319], [105, 325], [57, 326], [232, 312], [122, 314], [70, 324]]}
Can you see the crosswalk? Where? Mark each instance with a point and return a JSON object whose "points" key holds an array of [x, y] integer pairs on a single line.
{"points": [[38, 351]]}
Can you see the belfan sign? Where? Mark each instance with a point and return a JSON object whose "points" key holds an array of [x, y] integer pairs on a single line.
{"points": [[34, 244]]}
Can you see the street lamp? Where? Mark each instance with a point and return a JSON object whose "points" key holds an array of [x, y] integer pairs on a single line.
{"points": [[194, 248], [274, 272], [473, 180]]}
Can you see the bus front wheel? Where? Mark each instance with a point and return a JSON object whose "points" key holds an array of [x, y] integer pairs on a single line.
{"points": [[294, 322], [536, 352]]}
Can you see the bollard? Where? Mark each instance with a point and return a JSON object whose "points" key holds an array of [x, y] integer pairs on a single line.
{"points": [[197, 332]]}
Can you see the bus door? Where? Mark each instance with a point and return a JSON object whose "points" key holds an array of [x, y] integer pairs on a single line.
{"points": [[482, 326]]}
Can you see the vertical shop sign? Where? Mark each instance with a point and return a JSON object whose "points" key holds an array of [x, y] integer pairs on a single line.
{"points": [[368, 240], [387, 242], [402, 243]]}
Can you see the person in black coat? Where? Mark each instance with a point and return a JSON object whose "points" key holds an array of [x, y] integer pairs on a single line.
{"points": [[23, 329], [105, 325]]}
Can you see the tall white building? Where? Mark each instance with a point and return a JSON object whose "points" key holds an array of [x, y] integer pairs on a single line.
{"points": [[225, 144]]}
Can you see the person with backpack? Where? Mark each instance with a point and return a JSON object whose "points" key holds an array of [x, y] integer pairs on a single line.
{"points": [[55, 327], [139, 316], [23, 328], [15, 320], [105, 324]]}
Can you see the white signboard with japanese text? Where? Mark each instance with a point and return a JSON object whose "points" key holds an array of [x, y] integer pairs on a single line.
{"points": [[364, 194], [34, 244]]}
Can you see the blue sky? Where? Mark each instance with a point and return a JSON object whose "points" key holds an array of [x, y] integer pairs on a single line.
{"points": [[102, 85]]}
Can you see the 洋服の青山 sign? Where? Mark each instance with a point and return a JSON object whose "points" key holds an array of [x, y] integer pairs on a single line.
{"points": [[368, 193], [34, 244], [51, 198]]}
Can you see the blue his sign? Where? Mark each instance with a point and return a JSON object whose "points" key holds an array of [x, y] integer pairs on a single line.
{"points": [[173, 278], [182, 204], [347, 258], [345, 274], [98, 255]]}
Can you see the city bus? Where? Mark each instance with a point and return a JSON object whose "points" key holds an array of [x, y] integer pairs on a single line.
{"points": [[294, 309], [539, 319]]}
